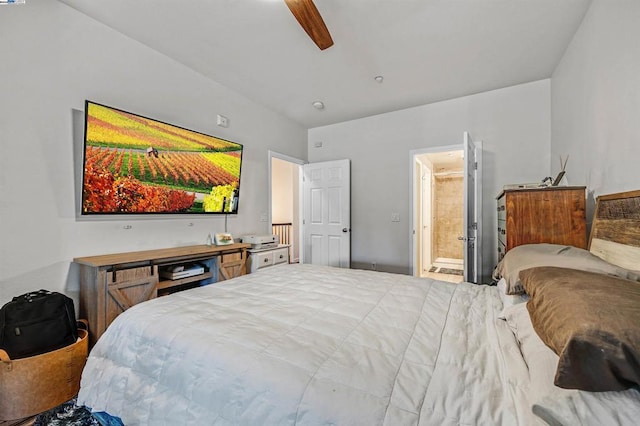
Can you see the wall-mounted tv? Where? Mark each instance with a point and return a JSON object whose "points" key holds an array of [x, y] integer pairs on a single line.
{"points": [[137, 165]]}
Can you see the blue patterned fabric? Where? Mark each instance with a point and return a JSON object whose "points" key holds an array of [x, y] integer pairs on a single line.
{"points": [[70, 414]]}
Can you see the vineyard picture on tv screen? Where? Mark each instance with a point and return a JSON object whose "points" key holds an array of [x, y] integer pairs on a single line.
{"points": [[136, 165]]}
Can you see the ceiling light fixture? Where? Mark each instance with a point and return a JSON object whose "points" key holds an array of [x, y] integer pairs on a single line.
{"points": [[379, 78], [318, 105]]}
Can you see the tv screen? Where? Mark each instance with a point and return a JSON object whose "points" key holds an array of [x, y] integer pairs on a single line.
{"points": [[137, 165]]}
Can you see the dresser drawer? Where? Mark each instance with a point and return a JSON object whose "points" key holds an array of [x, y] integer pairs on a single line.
{"points": [[263, 258], [502, 231], [502, 209], [280, 255]]}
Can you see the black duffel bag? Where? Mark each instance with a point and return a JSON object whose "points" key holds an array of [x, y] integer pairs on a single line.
{"points": [[37, 322]]}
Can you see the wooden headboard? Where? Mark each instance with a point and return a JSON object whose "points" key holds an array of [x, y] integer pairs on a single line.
{"points": [[615, 232]]}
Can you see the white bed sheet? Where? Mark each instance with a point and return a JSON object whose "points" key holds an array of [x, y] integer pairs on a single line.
{"points": [[556, 406], [310, 345]]}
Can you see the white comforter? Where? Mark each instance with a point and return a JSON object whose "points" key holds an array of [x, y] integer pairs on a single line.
{"points": [[308, 345]]}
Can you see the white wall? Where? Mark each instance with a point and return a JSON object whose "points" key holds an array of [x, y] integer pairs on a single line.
{"points": [[53, 58], [513, 123], [595, 100]]}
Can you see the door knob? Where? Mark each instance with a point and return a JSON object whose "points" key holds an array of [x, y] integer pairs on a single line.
{"points": [[345, 229]]}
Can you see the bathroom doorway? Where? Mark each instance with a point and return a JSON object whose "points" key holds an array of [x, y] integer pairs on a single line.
{"points": [[434, 219], [439, 195]]}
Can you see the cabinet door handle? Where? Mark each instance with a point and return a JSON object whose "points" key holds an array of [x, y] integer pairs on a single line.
{"points": [[266, 260]]}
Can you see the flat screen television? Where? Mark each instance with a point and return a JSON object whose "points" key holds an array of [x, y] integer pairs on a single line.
{"points": [[136, 165]]}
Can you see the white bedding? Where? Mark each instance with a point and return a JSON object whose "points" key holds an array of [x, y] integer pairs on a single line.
{"points": [[559, 406], [309, 345]]}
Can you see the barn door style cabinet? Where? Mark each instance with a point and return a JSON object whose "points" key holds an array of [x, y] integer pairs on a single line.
{"points": [[110, 284], [553, 215]]}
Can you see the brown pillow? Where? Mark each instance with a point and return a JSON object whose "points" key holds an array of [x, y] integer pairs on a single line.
{"points": [[592, 321]]}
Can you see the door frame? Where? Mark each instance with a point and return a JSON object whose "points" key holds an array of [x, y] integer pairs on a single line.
{"points": [[423, 204], [300, 163], [413, 265]]}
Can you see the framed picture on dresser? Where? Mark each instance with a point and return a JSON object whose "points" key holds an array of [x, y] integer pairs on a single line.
{"points": [[223, 239]]}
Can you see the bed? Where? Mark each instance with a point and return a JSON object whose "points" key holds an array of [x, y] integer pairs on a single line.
{"points": [[313, 345]]}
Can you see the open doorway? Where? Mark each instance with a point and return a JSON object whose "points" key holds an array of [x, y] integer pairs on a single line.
{"points": [[426, 199], [285, 202], [319, 193], [439, 215]]}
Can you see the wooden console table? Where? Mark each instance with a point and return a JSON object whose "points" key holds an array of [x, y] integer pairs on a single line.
{"points": [[112, 283]]}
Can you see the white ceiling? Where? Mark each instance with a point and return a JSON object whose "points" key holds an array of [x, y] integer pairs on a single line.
{"points": [[427, 50]]}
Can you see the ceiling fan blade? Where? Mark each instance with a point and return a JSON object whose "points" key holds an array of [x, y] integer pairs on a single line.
{"points": [[309, 18]]}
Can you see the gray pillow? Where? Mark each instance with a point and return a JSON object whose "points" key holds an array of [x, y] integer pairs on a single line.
{"points": [[531, 255]]}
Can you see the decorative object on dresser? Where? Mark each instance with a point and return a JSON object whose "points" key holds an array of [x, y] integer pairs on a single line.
{"points": [[110, 284], [553, 215], [223, 239]]}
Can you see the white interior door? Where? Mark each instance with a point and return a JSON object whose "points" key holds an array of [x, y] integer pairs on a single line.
{"points": [[327, 213], [472, 210]]}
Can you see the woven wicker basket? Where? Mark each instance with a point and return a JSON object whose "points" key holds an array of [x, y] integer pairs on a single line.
{"points": [[29, 386]]}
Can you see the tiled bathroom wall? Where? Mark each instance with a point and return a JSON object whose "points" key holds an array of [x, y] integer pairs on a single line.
{"points": [[448, 217]]}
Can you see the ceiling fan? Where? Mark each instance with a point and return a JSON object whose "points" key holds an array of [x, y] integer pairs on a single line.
{"points": [[309, 18]]}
